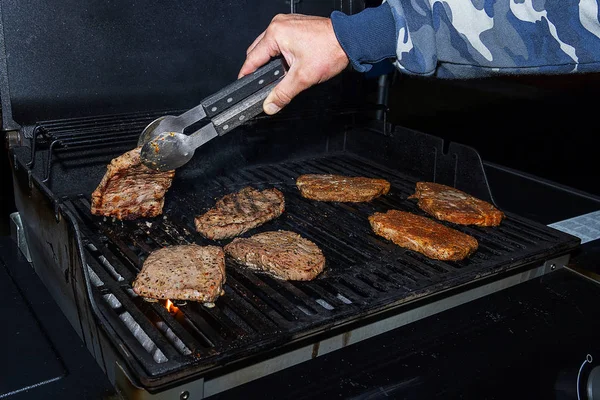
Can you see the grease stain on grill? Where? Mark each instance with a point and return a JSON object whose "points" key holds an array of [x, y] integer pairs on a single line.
{"points": [[346, 338], [315, 350]]}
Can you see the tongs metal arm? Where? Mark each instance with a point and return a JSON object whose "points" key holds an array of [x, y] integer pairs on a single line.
{"points": [[164, 144], [234, 95]]}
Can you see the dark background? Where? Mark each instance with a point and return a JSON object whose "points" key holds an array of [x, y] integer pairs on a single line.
{"points": [[543, 125], [7, 204]]}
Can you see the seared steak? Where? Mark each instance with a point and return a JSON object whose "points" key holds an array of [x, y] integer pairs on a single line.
{"points": [[285, 255], [186, 272], [423, 235], [131, 190], [453, 205], [341, 188], [239, 212]]}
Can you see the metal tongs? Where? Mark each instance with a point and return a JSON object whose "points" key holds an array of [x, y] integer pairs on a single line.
{"points": [[164, 144]]}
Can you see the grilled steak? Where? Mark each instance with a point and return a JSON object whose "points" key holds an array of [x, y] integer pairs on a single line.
{"points": [[131, 190], [423, 235], [186, 272], [239, 212], [453, 205], [341, 188], [285, 255]]}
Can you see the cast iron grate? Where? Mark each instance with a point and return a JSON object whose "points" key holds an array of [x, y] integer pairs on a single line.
{"points": [[364, 272]]}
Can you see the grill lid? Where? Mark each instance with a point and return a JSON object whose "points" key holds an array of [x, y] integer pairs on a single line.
{"points": [[64, 59]]}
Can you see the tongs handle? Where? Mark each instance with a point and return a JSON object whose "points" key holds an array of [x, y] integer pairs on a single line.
{"points": [[246, 109], [243, 88]]}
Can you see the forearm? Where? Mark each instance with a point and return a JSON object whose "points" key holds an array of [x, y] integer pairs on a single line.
{"points": [[455, 39]]}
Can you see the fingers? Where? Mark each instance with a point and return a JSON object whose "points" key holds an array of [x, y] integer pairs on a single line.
{"points": [[258, 39], [281, 95], [259, 54]]}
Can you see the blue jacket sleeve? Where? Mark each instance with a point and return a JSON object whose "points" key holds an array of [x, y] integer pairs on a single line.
{"points": [[476, 38], [367, 37]]}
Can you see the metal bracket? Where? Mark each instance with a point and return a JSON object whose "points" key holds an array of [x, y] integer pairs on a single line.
{"points": [[18, 234], [556, 263]]}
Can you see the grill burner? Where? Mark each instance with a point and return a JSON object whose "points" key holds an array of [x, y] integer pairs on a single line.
{"points": [[364, 273]]}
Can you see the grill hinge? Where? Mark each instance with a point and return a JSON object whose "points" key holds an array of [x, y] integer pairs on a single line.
{"points": [[13, 138]]}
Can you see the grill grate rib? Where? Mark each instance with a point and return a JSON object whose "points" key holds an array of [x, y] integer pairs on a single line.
{"points": [[364, 272]]}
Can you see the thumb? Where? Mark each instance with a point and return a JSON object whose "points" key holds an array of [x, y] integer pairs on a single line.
{"points": [[281, 95]]}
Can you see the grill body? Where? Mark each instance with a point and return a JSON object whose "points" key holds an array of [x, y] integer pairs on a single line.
{"points": [[369, 285]]}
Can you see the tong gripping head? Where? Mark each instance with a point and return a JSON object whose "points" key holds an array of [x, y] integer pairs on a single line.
{"points": [[165, 145], [231, 96], [151, 131]]}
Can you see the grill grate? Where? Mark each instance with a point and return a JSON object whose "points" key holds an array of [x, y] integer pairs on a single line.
{"points": [[364, 272]]}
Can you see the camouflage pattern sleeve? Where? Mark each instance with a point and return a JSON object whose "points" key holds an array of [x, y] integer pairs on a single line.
{"points": [[476, 38]]}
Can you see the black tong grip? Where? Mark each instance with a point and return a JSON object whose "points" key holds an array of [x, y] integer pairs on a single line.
{"points": [[243, 88], [246, 109]]}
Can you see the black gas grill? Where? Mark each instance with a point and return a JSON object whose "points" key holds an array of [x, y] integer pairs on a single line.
{"points": [[365, 274], [88, 263]]}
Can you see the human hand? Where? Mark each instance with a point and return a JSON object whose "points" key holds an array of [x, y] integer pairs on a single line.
{"points": [[310, 48]]}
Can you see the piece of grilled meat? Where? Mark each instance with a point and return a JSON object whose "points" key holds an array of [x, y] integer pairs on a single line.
{"points": [[239, 212], [185, 272], [341, 188], [130, 190], [450, 204], [283, 254], [423, 235]]}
